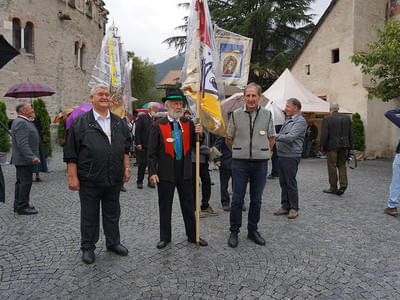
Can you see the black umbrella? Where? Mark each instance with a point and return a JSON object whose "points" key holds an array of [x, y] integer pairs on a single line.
{"points": [[7, 52]]}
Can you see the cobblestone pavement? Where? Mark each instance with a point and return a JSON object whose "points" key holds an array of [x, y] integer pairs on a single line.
{"points": [[340, 247]]}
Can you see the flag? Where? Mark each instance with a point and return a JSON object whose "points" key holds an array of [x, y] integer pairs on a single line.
{"points": [[200, 73], [234, 54]]}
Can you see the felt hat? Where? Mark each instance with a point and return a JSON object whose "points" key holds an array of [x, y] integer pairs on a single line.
{"points": [[172, 94]]}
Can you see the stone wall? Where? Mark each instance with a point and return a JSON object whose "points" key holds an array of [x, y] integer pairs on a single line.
{"points": [[54, 62]]}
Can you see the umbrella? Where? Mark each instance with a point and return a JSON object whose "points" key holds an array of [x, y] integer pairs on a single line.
{"points": [[7, 52], [29, 90], [147, 105], [234, 102], [85, 107], [62, 115]]}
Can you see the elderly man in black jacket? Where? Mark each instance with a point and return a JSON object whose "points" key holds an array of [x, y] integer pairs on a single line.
{"points": [[336, 140], [96, 152]]}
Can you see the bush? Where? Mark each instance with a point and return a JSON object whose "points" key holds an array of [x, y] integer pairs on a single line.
{"points": [[5, 144], [61, 132], [41, 112], [358, 132]]}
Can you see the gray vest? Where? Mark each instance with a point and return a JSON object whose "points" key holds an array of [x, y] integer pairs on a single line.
{"points": [[251, 141]]}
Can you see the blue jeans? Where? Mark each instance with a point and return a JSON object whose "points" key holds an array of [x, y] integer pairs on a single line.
{"points": [[242, 171], [395, 186]]}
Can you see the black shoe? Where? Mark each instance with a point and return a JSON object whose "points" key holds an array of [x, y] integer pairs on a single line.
{"points": [[329, 191], [270, 176], [88, 256], [150, 185], [38, 179], [162, 244], [27, 211], [123, 189], [119, 250], [233, 240], [31, 207], [341, 190], [139, 185], [202, 242], [256, 238]]}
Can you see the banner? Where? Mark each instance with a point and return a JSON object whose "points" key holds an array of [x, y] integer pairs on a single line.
{"points": [[200, 74], [234, 54]]}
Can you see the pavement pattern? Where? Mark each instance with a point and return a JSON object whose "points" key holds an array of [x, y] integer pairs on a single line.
{"points": [[340, 247]]}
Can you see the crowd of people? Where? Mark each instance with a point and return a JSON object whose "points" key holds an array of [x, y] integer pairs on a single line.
{"points": [[99, 146]]}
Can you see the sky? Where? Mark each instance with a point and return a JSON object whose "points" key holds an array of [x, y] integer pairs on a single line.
{"points": [[143, 25]]}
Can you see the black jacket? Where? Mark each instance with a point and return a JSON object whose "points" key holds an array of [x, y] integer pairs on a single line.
{"points": [[336, 132], [143, 126], [99, 162], [226, 158]]}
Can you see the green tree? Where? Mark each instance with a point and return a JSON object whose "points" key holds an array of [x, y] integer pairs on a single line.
{"points": [[278, 28], [382, 62], [358, 132], [61, 132], [5, 144], [143, 80], [40, 110]]}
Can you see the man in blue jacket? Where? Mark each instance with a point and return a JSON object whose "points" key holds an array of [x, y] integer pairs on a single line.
{"points": [[289, 143], [394, 116]]}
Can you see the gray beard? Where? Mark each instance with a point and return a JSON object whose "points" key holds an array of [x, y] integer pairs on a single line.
{"points": [[174, 115]]}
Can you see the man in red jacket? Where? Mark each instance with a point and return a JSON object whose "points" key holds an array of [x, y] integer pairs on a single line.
{"points": [[170, 165]]}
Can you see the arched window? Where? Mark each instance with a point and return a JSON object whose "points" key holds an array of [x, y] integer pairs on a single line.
{"points": [[28, 37], [76, 54], [89, 8], [16, 28]]}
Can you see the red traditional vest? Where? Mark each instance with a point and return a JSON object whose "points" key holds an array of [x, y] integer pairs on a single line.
{"points": [[166, 132]]}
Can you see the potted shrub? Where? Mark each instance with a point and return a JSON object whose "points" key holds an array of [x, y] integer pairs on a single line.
{"points": [[358, 136], [5, 144], [61, 133], [40, 111]]}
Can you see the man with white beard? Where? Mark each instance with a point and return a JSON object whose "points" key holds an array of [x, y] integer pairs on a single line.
{"points": [[170, 165], [143, 125]]}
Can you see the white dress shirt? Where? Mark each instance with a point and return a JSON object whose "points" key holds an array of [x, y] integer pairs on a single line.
{"points": [[105, 123]]}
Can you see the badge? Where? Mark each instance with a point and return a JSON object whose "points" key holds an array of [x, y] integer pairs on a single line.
{"points": [[170, 140], [262, 132]]}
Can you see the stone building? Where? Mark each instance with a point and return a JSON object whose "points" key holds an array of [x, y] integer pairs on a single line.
{"points": [[59, 41], [324, 66]]}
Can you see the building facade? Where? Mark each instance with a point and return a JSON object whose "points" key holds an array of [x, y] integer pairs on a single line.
{"points": [[324, 66], [59, 41]]}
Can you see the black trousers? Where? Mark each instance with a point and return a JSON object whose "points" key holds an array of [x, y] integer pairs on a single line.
{"points": [[275, 162], [91, 197], [224, 176], [287, 179], [166, 191], [205, 185], [142, 165], [22, 187]]}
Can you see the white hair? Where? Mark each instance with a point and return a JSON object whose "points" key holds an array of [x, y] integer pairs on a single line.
{"points": [[98, 86], [152, 104], [334, 107]]}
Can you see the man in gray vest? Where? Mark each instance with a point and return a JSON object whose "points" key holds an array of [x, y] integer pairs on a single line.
{"points": [[25, 153], [250, 136], [289, 143]]}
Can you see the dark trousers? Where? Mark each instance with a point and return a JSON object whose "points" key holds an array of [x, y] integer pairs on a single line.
{"points": [[205, 184], [275, 162], [166, 191], [337, 162], [242, 172], [224, 176], [287, 179], [22, 187], [142, 165], [91, 197]]}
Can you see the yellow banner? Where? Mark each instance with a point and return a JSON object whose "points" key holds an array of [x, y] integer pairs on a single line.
{"points": [[111, 50]]}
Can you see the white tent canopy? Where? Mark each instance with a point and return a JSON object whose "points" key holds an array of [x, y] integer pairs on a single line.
{"points": [[286, 87]]}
